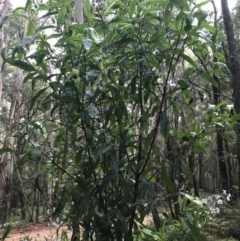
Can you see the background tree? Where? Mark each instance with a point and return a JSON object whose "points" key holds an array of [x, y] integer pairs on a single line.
{"points": [[234, 68]]}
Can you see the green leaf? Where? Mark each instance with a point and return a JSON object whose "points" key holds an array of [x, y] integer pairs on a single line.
{"points": [[6, 232], [26, 40], [187, 96], [199, 5], [235, 117], [133, 85], [183, 84], [30, 27], [89, 134], [149, 188], [209, 79], [54, 36], [61, 16], [37, 152], [36, 181], [61, 203], [199, 148], [34, 99], [146, 231], [28, 77], [91, 32], [225, 136], [156, 219], [188, 71], [164, 124], [124, 41], [35, 126], [20, 64], [87, 9], [196, 232], [49, 14], [187, 172], [132, 7], [43, 7], [16, 14], [208, 27], [114, 173], [28, 5], [185, 224], [220, 57], [4, 150], [109, 114], [87, 43], [189, 60], [169, 183]]}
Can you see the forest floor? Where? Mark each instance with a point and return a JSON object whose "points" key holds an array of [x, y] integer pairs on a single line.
{"points": [[37, 232], [43, 232]]}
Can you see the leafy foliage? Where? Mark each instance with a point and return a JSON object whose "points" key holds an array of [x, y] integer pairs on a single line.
{"points": [[108, 92]]}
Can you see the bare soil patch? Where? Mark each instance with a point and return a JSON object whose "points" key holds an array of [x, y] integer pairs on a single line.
{"points": [[37, 232], [46, 232]]}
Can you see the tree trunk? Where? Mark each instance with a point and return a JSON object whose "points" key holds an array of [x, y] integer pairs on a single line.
{"points": [[200, 173], [3, 12], [216, 100], [235, 71], [6, 161], [78, 9], [5, 178], [191, 159]]}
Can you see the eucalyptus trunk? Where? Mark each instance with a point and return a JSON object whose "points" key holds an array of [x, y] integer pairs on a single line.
{"points": [[234, 69], [3, 12], [7, 159]]}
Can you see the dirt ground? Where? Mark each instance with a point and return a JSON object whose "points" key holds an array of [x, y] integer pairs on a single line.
{"points": [[42, 232], [36, 232]]}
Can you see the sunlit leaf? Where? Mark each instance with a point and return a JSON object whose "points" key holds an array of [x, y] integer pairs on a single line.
{"points": [[87, 43]]}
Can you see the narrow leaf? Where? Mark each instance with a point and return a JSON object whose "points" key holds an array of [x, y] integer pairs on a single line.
{"points": [[169, 183], [87, 9], [20, 64], [132, 7], [3, 150], [36, 181], [164, 124], [209, 79], [5, 234], [28, 5], [199, 5], [114, 171], [156, 219], [34, 99], [189, 60], [187, 172]]}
